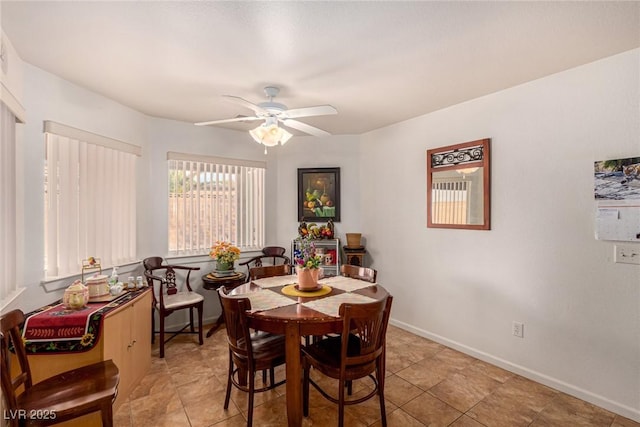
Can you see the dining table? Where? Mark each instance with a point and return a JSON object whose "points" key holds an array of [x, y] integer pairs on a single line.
{"points": [[279, 307]]}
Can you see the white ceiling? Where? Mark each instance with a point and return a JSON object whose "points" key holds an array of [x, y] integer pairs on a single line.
{"points": [[377, 62]]}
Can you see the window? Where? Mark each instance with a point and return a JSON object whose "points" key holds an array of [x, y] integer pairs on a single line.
{"points": [[90, 199], [8, 220], [212, 198]]}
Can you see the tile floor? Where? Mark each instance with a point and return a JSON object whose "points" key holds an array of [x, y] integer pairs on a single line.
{"points": [[427, 384]]}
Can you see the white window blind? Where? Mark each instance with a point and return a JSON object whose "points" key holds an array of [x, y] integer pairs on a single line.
{"points": [[450, 201], [8, 202], [212, 198], [90, 200]]}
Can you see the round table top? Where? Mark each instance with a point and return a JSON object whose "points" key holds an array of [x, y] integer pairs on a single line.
{"points": [[311, 321], [211, 281]]}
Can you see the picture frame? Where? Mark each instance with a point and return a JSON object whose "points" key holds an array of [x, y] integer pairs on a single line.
{"points": [[319, 194], [459, 186]]}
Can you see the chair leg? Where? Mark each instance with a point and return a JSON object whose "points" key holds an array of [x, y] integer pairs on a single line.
{"points": [[200, 310], [264, 376], [349, 387], [153, 326], [251, 394], [341, 403], [305, 388], [380, 378], [272, 376], [161, 336], [226, 398], [191, 319]]}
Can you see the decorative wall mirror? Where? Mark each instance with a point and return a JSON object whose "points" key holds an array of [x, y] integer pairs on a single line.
{"points": [[458, 186]]}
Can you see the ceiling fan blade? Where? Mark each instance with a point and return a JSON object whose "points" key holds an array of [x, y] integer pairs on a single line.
{"points": [[236, 119], [311, 130], [319, 110], [241, 101]]}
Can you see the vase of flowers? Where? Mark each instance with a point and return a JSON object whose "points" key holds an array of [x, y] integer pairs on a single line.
{"points": [[307, 263], [225, 255]]}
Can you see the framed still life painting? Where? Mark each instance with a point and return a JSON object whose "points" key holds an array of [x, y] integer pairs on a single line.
{"points": [[319, 194]]}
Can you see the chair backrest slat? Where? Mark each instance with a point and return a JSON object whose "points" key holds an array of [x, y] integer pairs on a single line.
{"points": [[10, 336], [269, 271], [238, 332], [357, 272], [368, 323]]}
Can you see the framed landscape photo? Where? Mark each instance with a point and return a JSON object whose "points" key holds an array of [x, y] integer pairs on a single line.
{"points": [[319, 194]]}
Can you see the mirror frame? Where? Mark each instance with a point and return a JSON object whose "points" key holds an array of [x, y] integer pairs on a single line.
{"points": [[461, 156]]}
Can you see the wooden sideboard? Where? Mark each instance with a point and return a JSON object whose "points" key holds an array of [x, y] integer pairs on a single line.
{"points": [[126, 339]]}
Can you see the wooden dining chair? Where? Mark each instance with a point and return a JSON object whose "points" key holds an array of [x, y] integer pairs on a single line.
{"points": [[249, 352], [269, 271], [357, 353], [170, 296], [56, 399], [357, 272], [271, 255]]}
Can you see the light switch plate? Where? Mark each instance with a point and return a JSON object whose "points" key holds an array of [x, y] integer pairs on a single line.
{"points": [[627, 254]]}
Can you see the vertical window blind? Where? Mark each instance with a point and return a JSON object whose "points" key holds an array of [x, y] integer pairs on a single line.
{"points": [[8, 221], [90, 199], [211, 199], [450, 201]]}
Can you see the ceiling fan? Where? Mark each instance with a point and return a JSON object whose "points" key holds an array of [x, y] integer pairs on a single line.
{"points": [[273, 113]]}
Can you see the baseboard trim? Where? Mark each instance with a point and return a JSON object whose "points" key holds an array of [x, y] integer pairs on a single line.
{"points": [[603, 402]]}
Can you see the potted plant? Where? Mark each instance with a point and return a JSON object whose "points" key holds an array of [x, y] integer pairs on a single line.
{"points": [[307, 263], [225, 255]]}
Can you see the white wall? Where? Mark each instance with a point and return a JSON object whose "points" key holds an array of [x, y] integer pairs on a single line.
{"points": [[310, 152], [540, 264]]}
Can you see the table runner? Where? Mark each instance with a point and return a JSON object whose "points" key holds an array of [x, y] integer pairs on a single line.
{"points": [[274, 281], [267, 300], [50, 330], [331, 305], [347, 284]]}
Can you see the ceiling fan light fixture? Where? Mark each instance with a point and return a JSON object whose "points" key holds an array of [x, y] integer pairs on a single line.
{"points": [[270, 135]]}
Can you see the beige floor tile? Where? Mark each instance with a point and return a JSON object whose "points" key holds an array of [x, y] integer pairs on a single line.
{"points": [[567, 410], [399, 391], [620, 421], [464, 389], [427, 384], [431, 411], [399, 418]]}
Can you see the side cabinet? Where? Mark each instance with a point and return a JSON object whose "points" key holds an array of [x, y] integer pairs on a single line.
{"points": [[332, 255], [126, 339]]}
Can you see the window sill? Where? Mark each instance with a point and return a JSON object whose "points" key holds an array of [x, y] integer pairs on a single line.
{"points": [[9, 299], [49, 282]]}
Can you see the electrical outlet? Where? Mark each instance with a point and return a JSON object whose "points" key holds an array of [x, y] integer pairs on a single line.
{"points": [[517, 328], [627, 254]]}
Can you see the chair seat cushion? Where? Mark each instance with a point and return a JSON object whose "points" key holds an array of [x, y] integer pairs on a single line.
{"points": [[181, 299], [324, 355], [268, 350], [72, 391]]}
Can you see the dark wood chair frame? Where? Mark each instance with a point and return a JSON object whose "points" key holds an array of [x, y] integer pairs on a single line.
{"points": [[62, 397], [272, 254], [358, 272], [168, 284], [249, 352], [361, 349], [256, 273]]}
